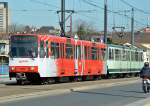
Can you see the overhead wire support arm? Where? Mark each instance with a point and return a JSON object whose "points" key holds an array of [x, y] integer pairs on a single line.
{"points": [[132, 27], [67, 11], [71, 12], [64, 20]]}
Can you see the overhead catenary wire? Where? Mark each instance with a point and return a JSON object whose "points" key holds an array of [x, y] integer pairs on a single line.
{"points": [[47, 10], [44, 3], [93, 3], [35, 10], [111, 11], [137, 9]]}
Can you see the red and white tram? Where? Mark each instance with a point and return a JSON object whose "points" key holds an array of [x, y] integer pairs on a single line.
{"points": [[40, 58]]}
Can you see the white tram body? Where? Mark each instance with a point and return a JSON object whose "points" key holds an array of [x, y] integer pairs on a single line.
{"points": [[44, 57]]}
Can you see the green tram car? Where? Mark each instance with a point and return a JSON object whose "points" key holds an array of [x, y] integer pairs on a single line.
{"points": [[124, 60]]}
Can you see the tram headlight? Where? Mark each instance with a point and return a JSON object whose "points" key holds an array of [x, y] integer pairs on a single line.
{"points": [[12, 68], [32, 68]]}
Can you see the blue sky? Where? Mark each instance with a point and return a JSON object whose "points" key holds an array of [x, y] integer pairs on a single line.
{"points": [[38, 12]]}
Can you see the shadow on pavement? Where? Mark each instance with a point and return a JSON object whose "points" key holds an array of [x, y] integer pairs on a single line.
{"points": [[108, 94], [131, 91]]}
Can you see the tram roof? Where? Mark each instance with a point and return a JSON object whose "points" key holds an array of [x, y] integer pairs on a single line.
{"points": [[54, 37], [124, 46]]}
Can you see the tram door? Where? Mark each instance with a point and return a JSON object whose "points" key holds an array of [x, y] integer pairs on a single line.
{"points": [[128, 61], [78, 60]]}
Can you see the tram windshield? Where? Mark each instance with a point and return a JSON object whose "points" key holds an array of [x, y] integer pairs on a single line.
{"points": [[24, 46]]}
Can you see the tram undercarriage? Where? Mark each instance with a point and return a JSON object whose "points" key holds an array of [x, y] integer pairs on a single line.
{"points": [[34, 78]]}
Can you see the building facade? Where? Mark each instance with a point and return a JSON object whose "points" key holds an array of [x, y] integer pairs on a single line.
{"points": [[4, 58], [146, 52], [4, 21]]}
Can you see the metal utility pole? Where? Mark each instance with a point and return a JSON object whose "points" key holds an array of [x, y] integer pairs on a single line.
{"points": [[71, 26], [132, 27], [148, 22], [62, 23], [105, 21]]}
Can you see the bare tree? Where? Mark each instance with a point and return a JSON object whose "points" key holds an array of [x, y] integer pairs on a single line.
{"points": [[85, 30], [14, 28], [28, 29]]}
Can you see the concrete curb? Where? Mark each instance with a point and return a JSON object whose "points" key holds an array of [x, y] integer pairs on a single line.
{"points": [[59, 91]]}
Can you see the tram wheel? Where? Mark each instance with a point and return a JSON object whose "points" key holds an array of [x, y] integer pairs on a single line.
{"points": [[20, 82]]}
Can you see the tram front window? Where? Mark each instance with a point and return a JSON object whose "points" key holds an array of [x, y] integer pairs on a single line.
{"points": [[24, 47]]}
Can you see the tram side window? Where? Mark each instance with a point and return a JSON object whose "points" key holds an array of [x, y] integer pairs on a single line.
{"points": [[136, 56], [94, 53], [103, 53], [79, 52], [133, 56], [139, 59], [117, 54], [55, 50], [88, 53], [128, 55], [42, 54], [124, 55], [69, 51], [62, 50], [100, 57], [47, 49], [85, 53], [139, 56], [111, 54]]}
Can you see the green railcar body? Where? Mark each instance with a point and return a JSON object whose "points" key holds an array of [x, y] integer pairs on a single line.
{"points": [[124, 59]]}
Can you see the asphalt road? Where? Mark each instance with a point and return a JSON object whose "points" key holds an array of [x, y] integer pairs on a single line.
{"points": [[10, 89], [119, 95]]}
